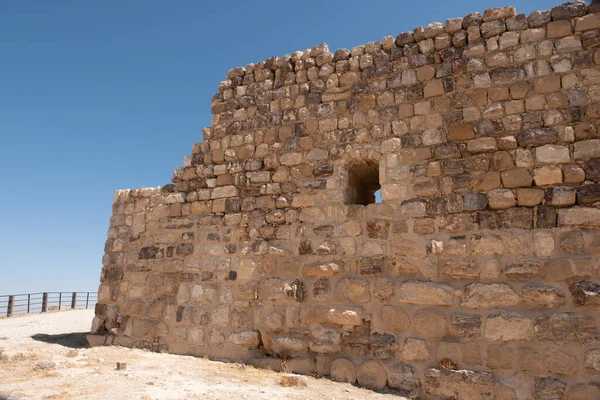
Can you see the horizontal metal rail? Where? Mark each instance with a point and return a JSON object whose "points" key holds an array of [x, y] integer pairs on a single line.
{"points": [[46, 301]]}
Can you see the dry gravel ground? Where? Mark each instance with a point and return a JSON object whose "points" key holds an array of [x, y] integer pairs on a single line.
{"points": [[45, 356]]}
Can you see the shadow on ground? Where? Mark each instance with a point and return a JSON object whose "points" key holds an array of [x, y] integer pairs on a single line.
{"points": [[75, 340]]}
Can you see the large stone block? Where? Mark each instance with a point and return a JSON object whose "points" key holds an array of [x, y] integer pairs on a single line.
{"points": [[322, 270], [394, 318], [559, 362], [558, 29], [465, 326], [96, 340], [560, 196], [403, 377], [459, 385], [500, 199], [586, 149], [516, 177], [549, 388], [584, 217], [324, 340], [482, 145], [537, 137], [517, 386], [587, 22], [585, 293], [492, 28], [536, 296], [342, 370], [568, 10], [508, 326], [415, 350], [500, 357], [567, 328], [271, 289], [588, 195], [592, 361], [383, 345], [547, 175], [247, 339], [345, 316], [426, 293], [475, 202], [486, 181], [372, 375], [524, 271], [552, 154], [530, 197], [584, 391], [224, 191], [492, 14], [493, 295], [351, 290], [430, 323]]}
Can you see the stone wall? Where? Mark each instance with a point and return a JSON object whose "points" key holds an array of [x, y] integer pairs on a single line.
{"points": [[476, 277]]}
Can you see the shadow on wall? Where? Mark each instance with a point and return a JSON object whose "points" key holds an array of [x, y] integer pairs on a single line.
{"points": [[75, 340]]}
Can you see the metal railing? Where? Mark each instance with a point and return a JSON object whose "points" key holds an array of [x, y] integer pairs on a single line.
{"points": [[47, 301]]}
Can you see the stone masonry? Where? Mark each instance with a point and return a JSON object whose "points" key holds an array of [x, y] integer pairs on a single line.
{"points": [[476, 277]]}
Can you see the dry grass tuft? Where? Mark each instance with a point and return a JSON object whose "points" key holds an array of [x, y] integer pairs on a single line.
{"points": [[287, 365], [447, 364], [292, 381], [72, 353]]}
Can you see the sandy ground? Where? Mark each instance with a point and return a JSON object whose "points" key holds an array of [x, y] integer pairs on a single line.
{"points": [[45, 356]]}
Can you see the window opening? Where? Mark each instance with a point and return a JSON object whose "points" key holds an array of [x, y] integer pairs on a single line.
{"points": [[363, 183]]}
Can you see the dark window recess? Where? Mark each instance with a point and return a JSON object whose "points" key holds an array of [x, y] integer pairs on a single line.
{"points": [[363, 183]]}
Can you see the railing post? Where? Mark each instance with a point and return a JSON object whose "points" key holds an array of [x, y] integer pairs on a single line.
{"points": [[73, 300], [59, 300], [28, 302], [11, 302], [87, 300], [44, 302]]}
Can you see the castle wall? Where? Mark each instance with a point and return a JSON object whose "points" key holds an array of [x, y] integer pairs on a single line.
{"points": [[476, 277]]}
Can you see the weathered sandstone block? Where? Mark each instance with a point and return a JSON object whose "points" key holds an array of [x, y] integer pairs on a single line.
{"points": [[508, 326], [495, 295], [460, 385], [566, 327], [585, 293], [425, 293], [542, 297], [403, 377], [372, 375], [415, 350], [342, 370]]}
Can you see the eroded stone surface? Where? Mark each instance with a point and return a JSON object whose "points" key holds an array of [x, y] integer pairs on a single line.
{"points": [[342, 370], [460, 385], [372, 375], [507, 326], [567, 327], [494, 295]]}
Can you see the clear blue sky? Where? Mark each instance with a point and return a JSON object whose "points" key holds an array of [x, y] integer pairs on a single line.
{"points": [[105, 95]]}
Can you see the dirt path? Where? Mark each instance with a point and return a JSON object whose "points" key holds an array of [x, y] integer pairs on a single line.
{"points": [[45, 356]]}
